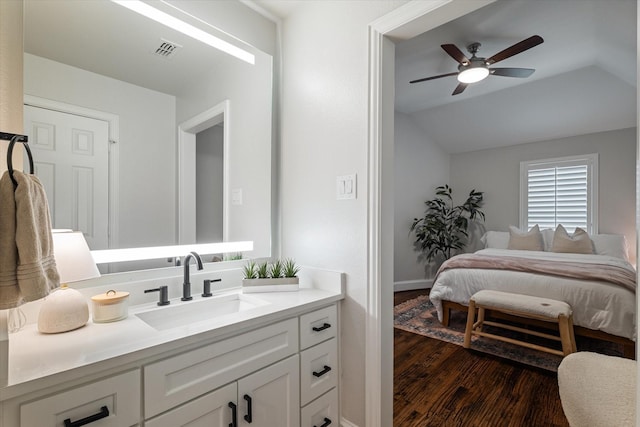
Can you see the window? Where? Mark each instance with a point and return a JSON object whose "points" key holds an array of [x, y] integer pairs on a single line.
{"points": [[560, 191]]}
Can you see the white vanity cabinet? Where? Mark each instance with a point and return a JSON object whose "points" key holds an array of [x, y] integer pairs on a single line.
{"points": [[284, 374]]}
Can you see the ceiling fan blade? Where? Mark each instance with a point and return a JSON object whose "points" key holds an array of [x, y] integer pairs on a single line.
{"points": [[455, 53], [512, 72], [460, 88], [434, 77], [515, 49]]}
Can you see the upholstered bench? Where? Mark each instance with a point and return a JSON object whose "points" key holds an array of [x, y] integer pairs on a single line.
{"points": [[523, 306], [598, 390]]}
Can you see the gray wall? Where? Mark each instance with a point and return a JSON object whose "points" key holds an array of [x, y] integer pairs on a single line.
{"points": [[209, 184], [420, 166], [497, 173]]}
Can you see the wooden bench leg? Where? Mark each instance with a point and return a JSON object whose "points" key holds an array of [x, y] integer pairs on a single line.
{"points": [[471, 317], [446, 312], [567, 338]]}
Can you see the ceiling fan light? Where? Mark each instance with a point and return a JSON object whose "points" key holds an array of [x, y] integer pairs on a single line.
{"points": [[473, 75]]}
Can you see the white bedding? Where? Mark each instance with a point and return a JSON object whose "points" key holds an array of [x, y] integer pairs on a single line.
{"points": [[596, 305]]}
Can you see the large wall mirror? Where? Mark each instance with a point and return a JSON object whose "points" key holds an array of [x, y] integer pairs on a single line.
{"points": [[146, 136]]}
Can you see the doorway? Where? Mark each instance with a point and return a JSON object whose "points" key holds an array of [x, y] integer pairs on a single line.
{"points": [[403, 23], [203, 176]]}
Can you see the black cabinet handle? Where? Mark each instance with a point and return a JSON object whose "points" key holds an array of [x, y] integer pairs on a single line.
{"points": [[326, 423], [321, 373], [249, 417], [234, 414], [104, 413], [321, 328]]}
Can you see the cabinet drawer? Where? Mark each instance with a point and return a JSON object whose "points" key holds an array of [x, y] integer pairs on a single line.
{"points": [[322, 412], [119, 394], [318, 326], [172, 381], [318, 370]]}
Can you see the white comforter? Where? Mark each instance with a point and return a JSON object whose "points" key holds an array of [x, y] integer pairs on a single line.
{"points": [[596, 305]]}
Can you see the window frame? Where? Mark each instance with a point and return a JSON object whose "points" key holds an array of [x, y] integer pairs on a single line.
{"points": [[590, 160]]}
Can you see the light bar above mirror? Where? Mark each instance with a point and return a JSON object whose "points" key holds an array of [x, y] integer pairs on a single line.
{"points": [[163, 18], [136, 254]]}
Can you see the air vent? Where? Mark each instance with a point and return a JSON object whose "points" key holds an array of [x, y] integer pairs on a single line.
{"points": [[167, 49]]}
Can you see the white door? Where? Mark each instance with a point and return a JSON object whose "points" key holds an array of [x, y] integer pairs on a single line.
{"points": [[271, 396], [71, 158]]}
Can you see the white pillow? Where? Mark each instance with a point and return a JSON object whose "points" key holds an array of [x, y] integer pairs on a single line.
{"points": [[496, 239], [614, 245], [547, 238]]}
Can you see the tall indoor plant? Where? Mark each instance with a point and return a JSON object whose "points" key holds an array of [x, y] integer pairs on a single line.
{"points": [[442, 231]]}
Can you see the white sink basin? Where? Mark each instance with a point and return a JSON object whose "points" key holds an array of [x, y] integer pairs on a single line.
{"points": [[185, 313]]}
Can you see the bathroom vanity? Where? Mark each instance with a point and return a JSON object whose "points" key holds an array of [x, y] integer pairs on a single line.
{"points": [[268, 359]]}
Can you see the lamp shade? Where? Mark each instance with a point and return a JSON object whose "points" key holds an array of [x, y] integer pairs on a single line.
{"points": [[66, 309], [73, 257]]}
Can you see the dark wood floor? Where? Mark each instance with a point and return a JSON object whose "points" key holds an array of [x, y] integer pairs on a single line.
{"points": [[442, 384]]}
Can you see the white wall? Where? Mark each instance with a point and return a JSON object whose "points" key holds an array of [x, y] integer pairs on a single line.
{"points": [[324, 134], [249, 91], [497, 173], [146, 143], [421, 165]]}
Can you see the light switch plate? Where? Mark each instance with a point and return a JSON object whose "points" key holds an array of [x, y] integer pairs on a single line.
{"points": [[346, 186], [236, 196]]}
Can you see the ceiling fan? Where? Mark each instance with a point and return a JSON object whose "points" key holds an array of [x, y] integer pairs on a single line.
{"points": [[474, 69]]}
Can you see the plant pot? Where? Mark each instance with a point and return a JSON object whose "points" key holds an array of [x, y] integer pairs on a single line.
{"points": [[279, 284]]}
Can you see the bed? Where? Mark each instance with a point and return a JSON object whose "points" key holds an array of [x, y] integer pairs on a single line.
{"points": [[601, 308]]}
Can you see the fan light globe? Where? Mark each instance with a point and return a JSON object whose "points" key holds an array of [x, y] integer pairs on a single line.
{"points": [[473, 75]]}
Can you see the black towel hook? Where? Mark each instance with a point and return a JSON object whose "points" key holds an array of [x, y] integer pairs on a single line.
{"points": [[13, 139]]}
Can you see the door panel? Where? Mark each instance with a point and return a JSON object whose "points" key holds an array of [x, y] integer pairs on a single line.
{"points": [[71, 158], [274, 396]]}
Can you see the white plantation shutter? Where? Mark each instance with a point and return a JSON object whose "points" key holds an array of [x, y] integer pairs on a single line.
{"points": [[559, 191]]}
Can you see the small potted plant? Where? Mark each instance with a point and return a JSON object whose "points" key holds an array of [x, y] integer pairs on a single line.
{"points": [[280, 275]]}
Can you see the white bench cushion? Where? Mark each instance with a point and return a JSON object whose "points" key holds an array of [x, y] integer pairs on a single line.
{"points": [[537, 306], [598, 390]]}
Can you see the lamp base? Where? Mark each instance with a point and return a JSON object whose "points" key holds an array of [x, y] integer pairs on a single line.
{"points": [[63, 310]]}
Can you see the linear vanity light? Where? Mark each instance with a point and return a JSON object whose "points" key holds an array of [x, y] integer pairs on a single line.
{"points": [[187, 29], [136, 254]]}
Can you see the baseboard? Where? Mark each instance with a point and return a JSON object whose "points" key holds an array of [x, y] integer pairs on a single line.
{"points": [[346, 423], [410, 285]]}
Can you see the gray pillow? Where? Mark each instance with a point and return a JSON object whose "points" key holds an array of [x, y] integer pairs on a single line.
{"points": [[578, 243], [525, 240]]}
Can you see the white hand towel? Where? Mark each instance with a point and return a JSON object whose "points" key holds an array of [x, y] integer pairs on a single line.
{"points": [[36, 273]]}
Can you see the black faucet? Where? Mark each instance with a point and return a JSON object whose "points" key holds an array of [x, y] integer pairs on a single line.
{"points": [[186, 284]]}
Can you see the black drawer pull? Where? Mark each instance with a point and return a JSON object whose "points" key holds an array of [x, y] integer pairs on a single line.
{"points": [[104, 413], [326, 423], [321, 373], [234, 414], [321, 328], [249, 417]]}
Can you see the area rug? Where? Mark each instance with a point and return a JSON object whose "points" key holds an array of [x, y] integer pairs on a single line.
{"points": [[420, 317]]}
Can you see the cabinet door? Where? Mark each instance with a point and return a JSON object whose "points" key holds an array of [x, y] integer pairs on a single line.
{"points": [[273, 395], [210, 410]]}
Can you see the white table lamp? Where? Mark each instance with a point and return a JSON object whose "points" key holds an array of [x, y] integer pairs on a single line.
{"points": [[66, 309]]}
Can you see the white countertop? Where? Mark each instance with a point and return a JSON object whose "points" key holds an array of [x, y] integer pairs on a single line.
{"points": [[34, 356]]}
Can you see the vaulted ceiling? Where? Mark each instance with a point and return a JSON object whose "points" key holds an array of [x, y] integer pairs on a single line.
{"points": [[585, 78]]}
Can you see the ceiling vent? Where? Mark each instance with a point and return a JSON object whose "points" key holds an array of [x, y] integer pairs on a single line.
{"points": [[167, 49]]}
